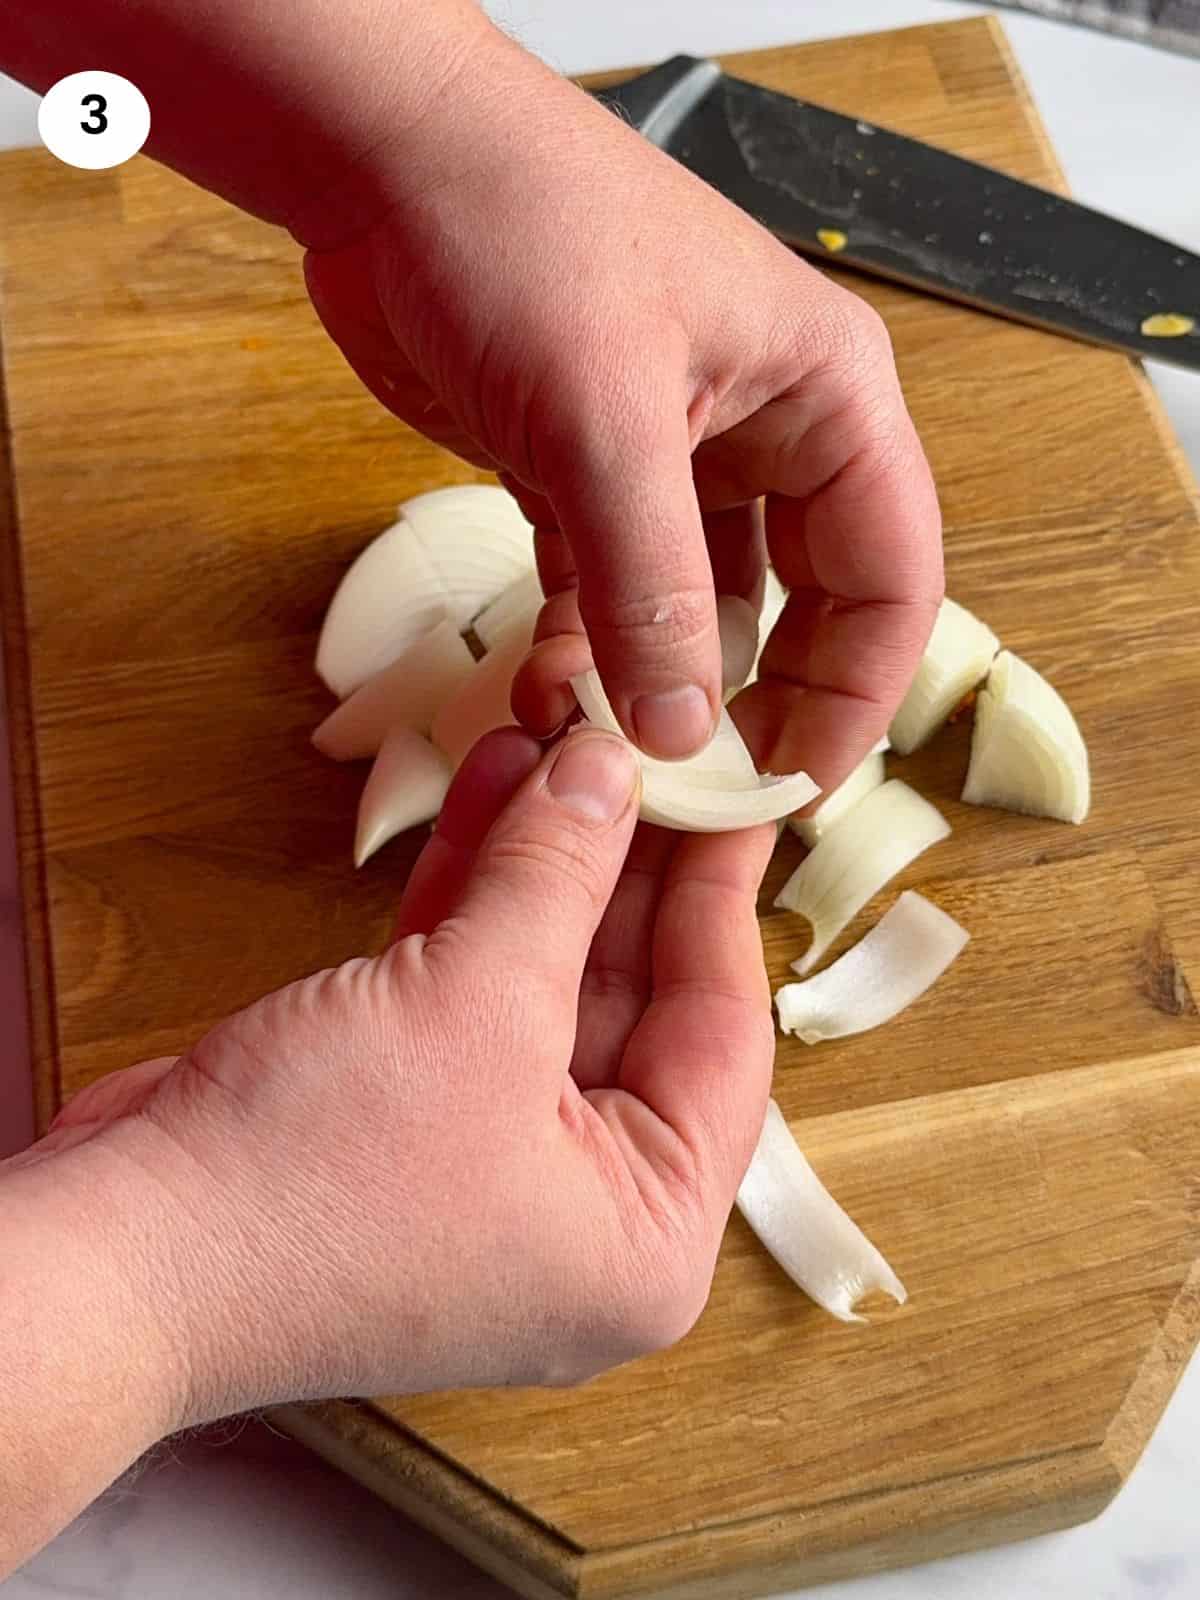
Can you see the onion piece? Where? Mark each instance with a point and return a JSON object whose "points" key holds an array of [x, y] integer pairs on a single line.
{"points": [[484, 701], [856, 858], [407, 694], [406, 787], [1027, 753], [774, 600], [804, 1228], [957, 657], [389, 597], [517, 607], [737, 622], [712, 792], [476, 539], [904, 954], [866, 776]]}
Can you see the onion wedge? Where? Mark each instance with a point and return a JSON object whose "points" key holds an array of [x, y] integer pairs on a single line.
{"points": [[1027, 753], [484, 701], [737, 623], [805, 1229], [774, 600], [406, 787], [517, 607], [389, 597], [407, 694], [957, 657], [856, 858], [866, 776], [904, 954], [476, 540], [712, 792]]}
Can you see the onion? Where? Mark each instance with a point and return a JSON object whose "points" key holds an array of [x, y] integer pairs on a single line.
{"points": [[476, 539], [856, 858], [805, 1229], [484, 700], [1027, 753], [737, 622], [774, 600], [712, 792], [957, 657], [407, 694], [390, 596], [866, 776], [406, 787], [517, 607], [904, 954]]}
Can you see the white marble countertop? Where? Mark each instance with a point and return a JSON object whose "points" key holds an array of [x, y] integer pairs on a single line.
{"points": [[241, 1512]]}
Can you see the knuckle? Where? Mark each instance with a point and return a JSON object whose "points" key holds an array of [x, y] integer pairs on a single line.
{"points": [[557, 861], [653, 625]]}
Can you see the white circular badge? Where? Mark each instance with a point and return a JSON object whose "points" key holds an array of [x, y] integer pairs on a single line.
{"points": [[94, 120]]}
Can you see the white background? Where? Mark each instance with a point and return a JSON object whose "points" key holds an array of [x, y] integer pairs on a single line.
{"points": [[241, 1514]]}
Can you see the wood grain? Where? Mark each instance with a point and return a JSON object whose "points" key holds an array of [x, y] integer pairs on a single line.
{"points": [[1024, 1143]]}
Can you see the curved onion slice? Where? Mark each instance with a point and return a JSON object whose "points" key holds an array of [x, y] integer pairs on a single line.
{"points": [[484, 701], [853, 861], [1027, 753], [957, 657], [805, 1229], [737, 622], [389, 597], [517, 607], [406, 787], [476, 539], [407, 694], [712, 792], [904, 954], [866, 776], [774, 600]]}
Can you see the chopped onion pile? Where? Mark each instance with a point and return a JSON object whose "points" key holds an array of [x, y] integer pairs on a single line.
{"points": [[1027, 753], [957, 657], [712, 792], [855, 859], [805, 1229], [904, 954]]}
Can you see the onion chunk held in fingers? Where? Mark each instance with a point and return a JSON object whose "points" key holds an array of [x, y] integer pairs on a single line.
{"points": [[856, 858], [1027, 753], [957, 657], [407, 694], [866, 776], [904, 954], [714, 791], [406, 787], [804, 1228]]}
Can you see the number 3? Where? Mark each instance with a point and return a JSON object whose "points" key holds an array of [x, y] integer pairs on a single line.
{"points": [[97, 121]]}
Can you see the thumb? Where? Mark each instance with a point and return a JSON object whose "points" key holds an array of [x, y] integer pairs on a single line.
{"points": [[630, 516], [548, 865]]}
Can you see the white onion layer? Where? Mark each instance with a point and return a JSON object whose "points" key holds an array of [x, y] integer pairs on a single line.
{"points": [[904, 954], [856, 858], [484, 701], [476, 539], [407, 694], [389, 597], [712, 792], [957, 657], [1027, 753], [517, 607], [737, 623], [406, 787], [801, 1224], [866, 776]]}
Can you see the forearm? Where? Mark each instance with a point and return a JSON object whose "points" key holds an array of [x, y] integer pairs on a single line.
{"points": [[301, 111], [89, 1378]]}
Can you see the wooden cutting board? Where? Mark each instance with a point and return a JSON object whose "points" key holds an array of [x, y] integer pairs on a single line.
{"points": [[191, 470]]}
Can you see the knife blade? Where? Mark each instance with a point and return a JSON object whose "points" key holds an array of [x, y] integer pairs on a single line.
{"points": [[845, 189]]}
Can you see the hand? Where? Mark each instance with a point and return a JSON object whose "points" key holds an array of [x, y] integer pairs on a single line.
{"points": [[502, 1152], [552, 297]]}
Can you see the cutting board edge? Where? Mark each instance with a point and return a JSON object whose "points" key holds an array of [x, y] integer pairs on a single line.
{"points": [[975, 1511]]}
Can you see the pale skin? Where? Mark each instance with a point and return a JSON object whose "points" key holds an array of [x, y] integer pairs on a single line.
{"points": [[574, 1013]]}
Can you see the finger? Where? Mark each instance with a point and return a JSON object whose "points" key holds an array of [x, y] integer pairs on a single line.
{"points": [[545, 872], [542, 697], [701, 1060], [482, 787], [117, 1094], [617, 977], [630, 515]]}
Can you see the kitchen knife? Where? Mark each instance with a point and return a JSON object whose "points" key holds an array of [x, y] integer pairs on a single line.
{"points": [[841, 188]]}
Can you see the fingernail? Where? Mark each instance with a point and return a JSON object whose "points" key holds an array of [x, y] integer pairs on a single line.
{"points": [[595, 775], [674, 723]]}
